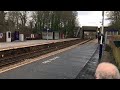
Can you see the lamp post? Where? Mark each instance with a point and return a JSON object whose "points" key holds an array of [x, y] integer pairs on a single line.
{"points": [[101, 40], [47, 33]]}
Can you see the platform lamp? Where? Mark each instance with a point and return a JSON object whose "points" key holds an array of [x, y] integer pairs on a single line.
{"points": [[47, 33], [101, 40]]}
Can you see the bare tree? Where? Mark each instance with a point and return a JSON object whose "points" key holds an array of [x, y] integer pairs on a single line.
{"points": [[14, 17], [114, 16], [62, 21], [2, 21]]}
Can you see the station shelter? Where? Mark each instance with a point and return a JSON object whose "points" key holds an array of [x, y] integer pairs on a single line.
{"points": [[50, 34]]}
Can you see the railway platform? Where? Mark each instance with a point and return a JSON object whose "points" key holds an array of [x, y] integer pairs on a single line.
{"points": [[66, 65], [14, 52], [28, 43]]}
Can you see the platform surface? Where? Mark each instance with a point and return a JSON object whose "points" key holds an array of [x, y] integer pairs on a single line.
{"points": [[65, 65], [27, 43]]}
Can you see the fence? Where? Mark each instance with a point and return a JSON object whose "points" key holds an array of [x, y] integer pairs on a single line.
{"points": [[115, 46]]}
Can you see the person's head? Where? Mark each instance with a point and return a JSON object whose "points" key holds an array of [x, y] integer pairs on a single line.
{"points": [[107, 71]]}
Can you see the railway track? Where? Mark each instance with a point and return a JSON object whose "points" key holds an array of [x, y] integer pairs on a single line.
{"points": [[32, 52]]}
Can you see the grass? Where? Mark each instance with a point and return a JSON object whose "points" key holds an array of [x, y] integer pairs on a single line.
{"points": [[116, 54], [107, 48], [107, 55]]}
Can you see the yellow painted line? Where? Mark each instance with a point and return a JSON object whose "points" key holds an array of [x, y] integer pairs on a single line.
{"points": [[28, 61]]}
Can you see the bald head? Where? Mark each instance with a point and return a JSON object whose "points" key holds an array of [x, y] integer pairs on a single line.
{"points": [[107, 71]]}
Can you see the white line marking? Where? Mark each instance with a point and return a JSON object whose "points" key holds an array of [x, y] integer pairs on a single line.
{"points": [[50, 60]]}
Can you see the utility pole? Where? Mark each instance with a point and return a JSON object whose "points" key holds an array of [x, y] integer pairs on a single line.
{"points": [[101, 40], [47, 33]]}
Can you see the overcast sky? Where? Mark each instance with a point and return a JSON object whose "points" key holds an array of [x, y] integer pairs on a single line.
{"points": [[91, 18]]}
